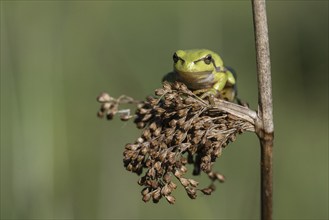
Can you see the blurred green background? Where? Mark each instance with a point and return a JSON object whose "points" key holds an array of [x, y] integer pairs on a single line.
{"points": [[59, 161]]}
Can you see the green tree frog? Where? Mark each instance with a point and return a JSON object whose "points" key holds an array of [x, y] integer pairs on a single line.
{"points": [[203, 72]]}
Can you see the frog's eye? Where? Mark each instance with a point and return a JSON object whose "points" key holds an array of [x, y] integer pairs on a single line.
{"points": [[208, 59], [175, 58]]}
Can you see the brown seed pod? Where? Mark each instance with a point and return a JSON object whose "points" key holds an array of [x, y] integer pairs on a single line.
{"points": [[191, 192], [147, 197], [170, 199], [166, 190]]}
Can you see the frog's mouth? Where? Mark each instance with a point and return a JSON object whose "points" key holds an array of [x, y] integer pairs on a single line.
{"points": [[196, 80]]}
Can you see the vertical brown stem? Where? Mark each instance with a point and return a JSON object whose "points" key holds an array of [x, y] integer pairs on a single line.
{"points": [[266, 178], [265, 131]]}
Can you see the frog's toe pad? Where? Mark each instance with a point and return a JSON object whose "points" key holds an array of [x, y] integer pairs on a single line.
{"points": [[209, 93]]}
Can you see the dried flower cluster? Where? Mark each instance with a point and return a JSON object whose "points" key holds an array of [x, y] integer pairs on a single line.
{"points": [[179, 128]]}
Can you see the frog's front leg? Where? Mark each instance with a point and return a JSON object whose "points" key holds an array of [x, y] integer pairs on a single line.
{"points": [[220, 82], [207, 92], [201, 91]]}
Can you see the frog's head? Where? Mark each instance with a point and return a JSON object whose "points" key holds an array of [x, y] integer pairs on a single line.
{"points": [[197, 63]]}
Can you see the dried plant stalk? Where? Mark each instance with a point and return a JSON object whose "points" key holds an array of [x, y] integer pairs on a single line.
{"points": [[265, 131]]}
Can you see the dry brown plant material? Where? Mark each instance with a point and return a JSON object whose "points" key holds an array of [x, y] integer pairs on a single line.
{"points": [[178, 128]]}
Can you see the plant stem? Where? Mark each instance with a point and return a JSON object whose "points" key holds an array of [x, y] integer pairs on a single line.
{"points": [[266, 131]]}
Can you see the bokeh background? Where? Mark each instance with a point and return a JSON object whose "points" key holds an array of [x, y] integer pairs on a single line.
{"points": [[59, 161]]}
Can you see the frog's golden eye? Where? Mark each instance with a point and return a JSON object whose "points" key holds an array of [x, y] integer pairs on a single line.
{"points": [[175, 58], [208, 59]]}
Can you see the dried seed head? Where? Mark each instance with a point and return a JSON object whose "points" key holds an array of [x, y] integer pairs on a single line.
{"points": [[106, 106], [147, 197], [193, 182], [166, 190], [170, 199], [183, 87], [181, 121], [141, 181], [173, 123], [156, 195], [172, 185], [100, 114], [143, 111], [151, 173], [104, 97], [176, 85], [140, 140], [140, 158], [183, 169], [145, 191], [153, 126], [140, 125], [166, 177], [191, 192], [208, 190], [166, 86], [146, 134], [163, 155], [160, 92], [132, 147], [151, 100], [171, 158], [146, 117], [178, 173], [180, 136], [183, 160], [178, 128], [157, 131], [216, 176], [109, 115], [157, 166], [159, 110], [143, 150], [184, 181], [154, 184], [220, 177]]}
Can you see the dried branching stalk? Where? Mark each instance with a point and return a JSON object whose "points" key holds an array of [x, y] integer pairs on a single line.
{"points": [[179, 128], [265, 131]]}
